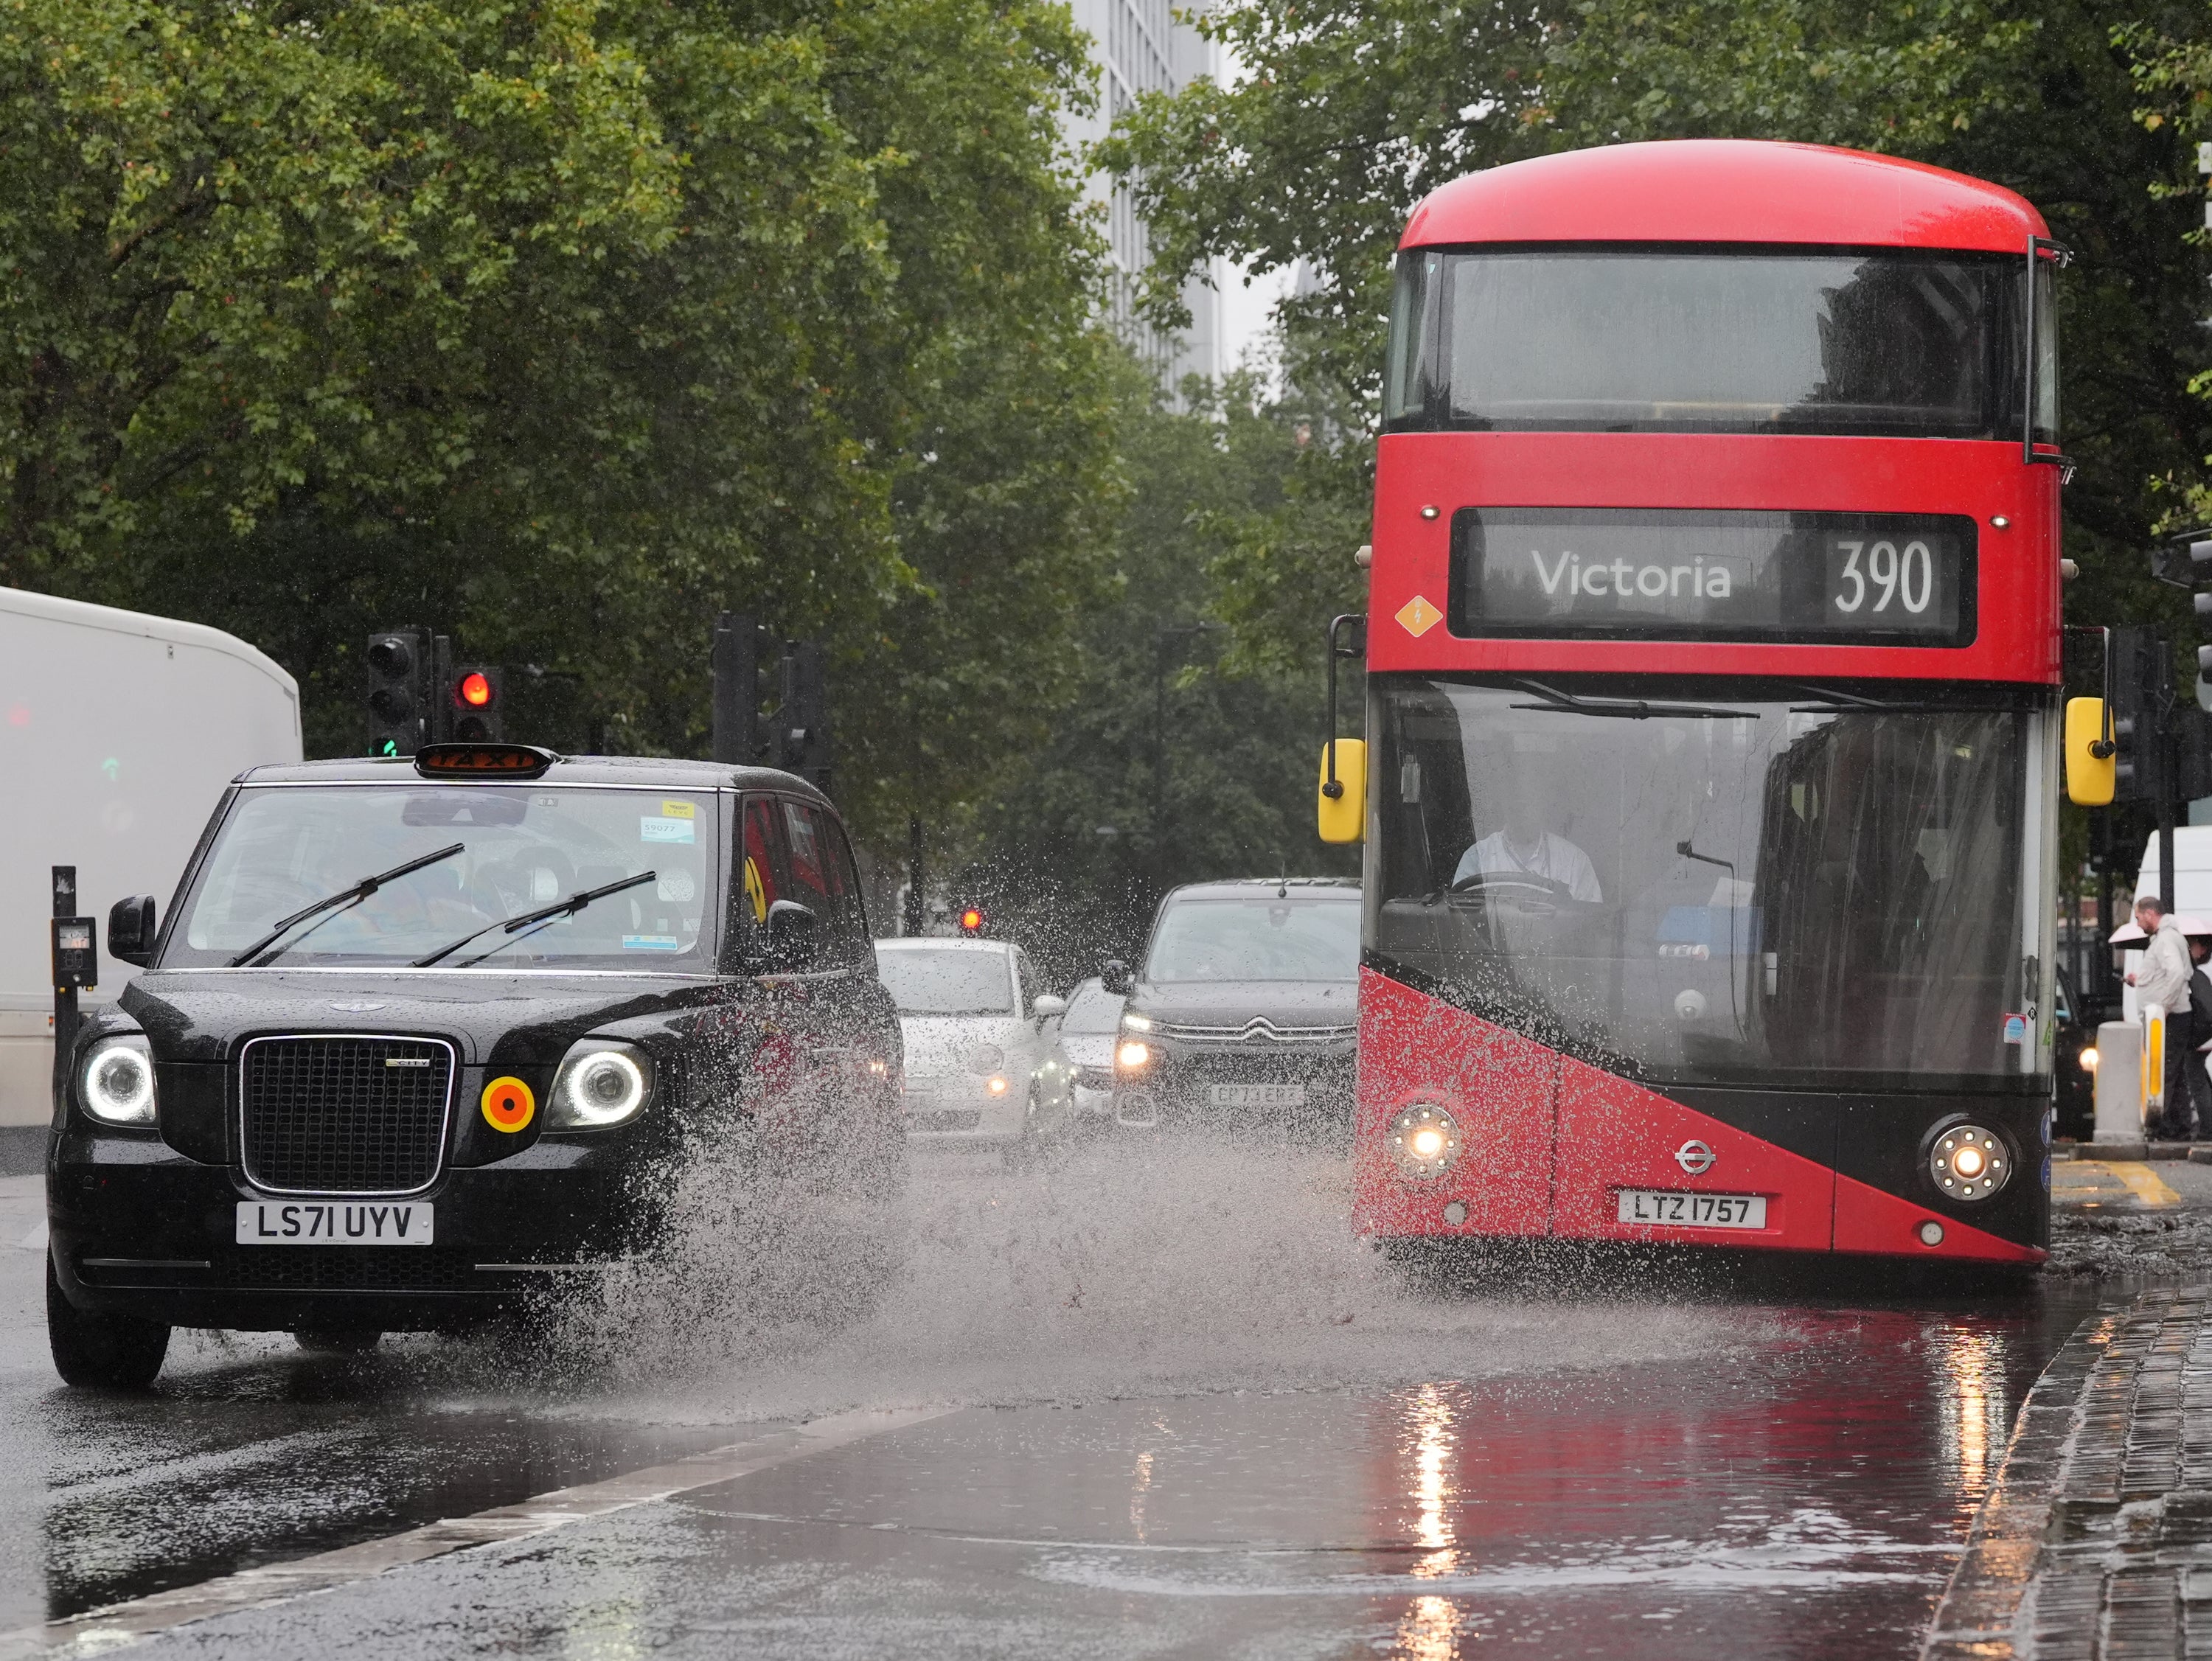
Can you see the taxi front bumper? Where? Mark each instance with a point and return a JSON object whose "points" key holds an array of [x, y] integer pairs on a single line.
{"points": [[137, 1228]]}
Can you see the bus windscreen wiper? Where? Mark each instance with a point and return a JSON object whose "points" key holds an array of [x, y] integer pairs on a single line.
{"points": [[345, 900], [1835, 701], [1628, 709], [544, 917]]}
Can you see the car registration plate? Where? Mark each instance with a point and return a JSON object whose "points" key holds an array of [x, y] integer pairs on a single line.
{"points": [[334, 1222], [1675, 1210], [1257, 1095]]}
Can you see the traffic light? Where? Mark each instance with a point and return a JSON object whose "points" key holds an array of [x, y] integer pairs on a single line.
{"points": [[396, 665], [971, 920], [802, 718], [2138, 756], [476, 693]]}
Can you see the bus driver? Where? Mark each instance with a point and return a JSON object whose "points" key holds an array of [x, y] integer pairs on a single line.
{"points": [[1525, 846]]}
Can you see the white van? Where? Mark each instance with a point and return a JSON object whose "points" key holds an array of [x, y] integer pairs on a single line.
{"points": [[117, 734]]}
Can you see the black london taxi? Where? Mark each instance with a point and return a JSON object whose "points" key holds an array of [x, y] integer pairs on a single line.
{"points": [[422, 1038]]}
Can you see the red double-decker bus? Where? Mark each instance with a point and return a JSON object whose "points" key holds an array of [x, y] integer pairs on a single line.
{"points": [[1713, 751]]}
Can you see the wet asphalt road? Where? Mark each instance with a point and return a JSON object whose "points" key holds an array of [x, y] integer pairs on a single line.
{"points": [[1176, 1414]]}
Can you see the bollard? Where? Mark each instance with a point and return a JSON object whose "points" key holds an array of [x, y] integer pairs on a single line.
{"points": [[2120, 1082]]}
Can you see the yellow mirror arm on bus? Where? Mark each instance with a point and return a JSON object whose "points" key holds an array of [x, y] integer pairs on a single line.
{"points": [[1342, 811], [2092, 756]]}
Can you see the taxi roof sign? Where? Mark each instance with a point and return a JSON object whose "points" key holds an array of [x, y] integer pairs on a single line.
{"points": [[482, 761]]}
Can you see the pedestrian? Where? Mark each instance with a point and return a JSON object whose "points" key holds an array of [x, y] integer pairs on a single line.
{"points": [[2198, 932], [2163, 979]]}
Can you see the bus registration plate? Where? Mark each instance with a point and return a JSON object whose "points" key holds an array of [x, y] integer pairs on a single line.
{"points": [[1661, 1208], [1256, 1096], [334, 1223]]}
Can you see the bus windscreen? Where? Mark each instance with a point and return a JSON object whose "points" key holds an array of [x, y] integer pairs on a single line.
{"points": [[1792, 887], [1592, 339], [1657, 573]]}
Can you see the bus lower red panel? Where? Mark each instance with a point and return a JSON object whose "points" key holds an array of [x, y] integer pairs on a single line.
{"points": [[1549, 1144]]}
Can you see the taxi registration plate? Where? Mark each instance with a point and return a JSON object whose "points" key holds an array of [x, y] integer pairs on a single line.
{"points": [[1662, 1208], [334, 1222]]}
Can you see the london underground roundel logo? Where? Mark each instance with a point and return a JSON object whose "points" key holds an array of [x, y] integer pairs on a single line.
{"points": [[508, 1105]]}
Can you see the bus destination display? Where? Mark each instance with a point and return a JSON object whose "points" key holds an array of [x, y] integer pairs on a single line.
{"points": [[1652, 573]]}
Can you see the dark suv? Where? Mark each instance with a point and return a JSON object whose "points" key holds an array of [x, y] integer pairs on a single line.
{"points": [[420, 1038], [1246, 1008]]}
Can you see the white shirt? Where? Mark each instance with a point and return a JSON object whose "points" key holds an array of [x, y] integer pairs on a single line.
{"points": [[1553, 858]]}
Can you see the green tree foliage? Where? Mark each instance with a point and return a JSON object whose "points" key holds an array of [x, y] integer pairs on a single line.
{"points": [[1351, 112], [1168, 765], [562, 324]]}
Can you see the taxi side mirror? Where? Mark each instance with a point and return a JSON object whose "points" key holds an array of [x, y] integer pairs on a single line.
{"points": [[130, 930], [1342, 803], [794, 936], [2092, 761]]}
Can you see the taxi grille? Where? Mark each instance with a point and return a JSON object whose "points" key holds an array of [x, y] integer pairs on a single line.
{"points": [[343, 1115], [349, 1269]]}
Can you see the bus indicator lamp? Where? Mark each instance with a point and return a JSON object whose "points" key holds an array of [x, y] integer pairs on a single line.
{"points": [[1931, 1233]]}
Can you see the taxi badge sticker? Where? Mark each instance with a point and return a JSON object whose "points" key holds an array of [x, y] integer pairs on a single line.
{"points": [[674, 809], [651, 829], [508, 1105], [755, 890], [1417, 617]]}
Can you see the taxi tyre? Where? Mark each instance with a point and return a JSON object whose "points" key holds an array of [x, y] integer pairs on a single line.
{"points": [[101, 1352]]}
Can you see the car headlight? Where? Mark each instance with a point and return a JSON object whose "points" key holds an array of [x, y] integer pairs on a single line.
{"points": [[1132, 1055], [1424, 1141], [986, 1058], [1136, 1023], [1970, 1162], [601, 1082], [2088, 1057], [116, 1083]]}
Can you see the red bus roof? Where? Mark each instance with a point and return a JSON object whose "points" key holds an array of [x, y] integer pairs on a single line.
{"points": [[1725, 190]]}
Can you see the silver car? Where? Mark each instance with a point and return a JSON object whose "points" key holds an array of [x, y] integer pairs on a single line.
{"points": [[984, 1067], [1086, 1038]]}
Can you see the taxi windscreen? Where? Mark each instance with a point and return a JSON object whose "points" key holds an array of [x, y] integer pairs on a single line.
{"points": [[496, 869]]}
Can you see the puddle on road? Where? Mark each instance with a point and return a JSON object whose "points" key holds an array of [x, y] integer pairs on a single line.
{"points": [[1596, 1441]]}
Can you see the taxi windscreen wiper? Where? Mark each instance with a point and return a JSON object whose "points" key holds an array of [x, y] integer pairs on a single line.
{"points": [[1630, 709], [544, 917], [345, 900]]}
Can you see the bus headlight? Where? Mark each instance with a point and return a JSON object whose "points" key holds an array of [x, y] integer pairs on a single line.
{"points": [[601, 1083], [1424, 1141], [1970, 1162], [116, 1083]]}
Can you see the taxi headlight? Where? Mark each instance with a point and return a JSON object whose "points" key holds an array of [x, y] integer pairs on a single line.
{"points": [[1970, 1162], [601, 1082], [116, 1083], [1424, 1141]]}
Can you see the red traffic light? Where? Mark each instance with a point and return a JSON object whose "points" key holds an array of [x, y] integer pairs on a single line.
{"points": [[971, 920], [475, 689]]}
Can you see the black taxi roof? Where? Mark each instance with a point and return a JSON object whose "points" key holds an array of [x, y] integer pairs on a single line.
{"points": [[651, 772]]}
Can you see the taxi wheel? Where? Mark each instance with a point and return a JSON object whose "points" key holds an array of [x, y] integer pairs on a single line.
{"points": [[101, 1352], [348, 1341]]}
